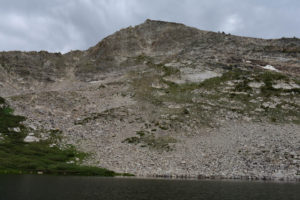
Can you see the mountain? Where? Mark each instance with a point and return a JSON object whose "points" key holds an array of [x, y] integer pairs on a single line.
{"points": [[165, 99]]}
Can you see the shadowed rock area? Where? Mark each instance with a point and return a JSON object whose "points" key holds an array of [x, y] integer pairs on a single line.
{"points": [[164, 99]]}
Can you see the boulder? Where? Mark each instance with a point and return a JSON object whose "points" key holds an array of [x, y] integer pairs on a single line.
{"points": [[30, 138]]}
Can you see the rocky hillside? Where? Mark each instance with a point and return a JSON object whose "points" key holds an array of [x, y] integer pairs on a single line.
{"points": [[164, 99]]}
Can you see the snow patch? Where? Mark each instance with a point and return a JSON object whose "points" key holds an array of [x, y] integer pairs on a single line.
{"points": [[256, 84], [192, 76], [30, 138], [270, 67], [159, 86], [200, 77]]}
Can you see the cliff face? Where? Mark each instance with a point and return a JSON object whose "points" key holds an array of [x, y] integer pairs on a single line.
{"points": [[162, 98]]}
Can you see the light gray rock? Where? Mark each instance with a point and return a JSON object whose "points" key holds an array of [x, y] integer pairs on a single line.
{"points": [[17, 129], [30, 139]]}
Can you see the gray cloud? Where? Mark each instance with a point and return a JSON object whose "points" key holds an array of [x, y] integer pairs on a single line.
{"points": [[78, 24]]}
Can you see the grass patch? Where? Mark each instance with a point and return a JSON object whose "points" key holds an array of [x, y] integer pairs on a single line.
{"points": [[168, 71], [179, 93], [147, 139], [243, 86], [8, 121], [107, 115], [270, 78], [216, 82], [32, 158]]}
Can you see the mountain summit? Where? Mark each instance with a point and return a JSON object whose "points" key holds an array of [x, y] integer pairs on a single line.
{"points": [[165, 99]]}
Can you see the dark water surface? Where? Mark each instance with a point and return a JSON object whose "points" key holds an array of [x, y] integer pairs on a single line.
{"points": [[27, 187]]}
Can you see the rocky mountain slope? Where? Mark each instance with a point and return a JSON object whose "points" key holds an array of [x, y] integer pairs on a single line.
{"points": [[164, 99]]}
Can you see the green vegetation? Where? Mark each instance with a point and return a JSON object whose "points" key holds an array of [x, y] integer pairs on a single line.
{"points": [[86, 120], [214, 98], [145, 138], [22, 158], [2, 101], [159, 67], [270, 78], [19, 157], [216, 82], [106, 115], [267, 92]]}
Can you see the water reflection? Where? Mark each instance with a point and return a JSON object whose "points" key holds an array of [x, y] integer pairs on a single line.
{"points": [[28, 187]]}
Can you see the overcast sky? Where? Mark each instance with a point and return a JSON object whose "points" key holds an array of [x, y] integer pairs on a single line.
{"points": [[64, 25]]}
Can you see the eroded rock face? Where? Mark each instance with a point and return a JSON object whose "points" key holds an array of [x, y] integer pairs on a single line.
{"points": [[166, 99]]}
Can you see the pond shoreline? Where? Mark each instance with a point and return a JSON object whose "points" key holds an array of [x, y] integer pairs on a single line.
{"points": [[215, 178], [175, 178]]}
